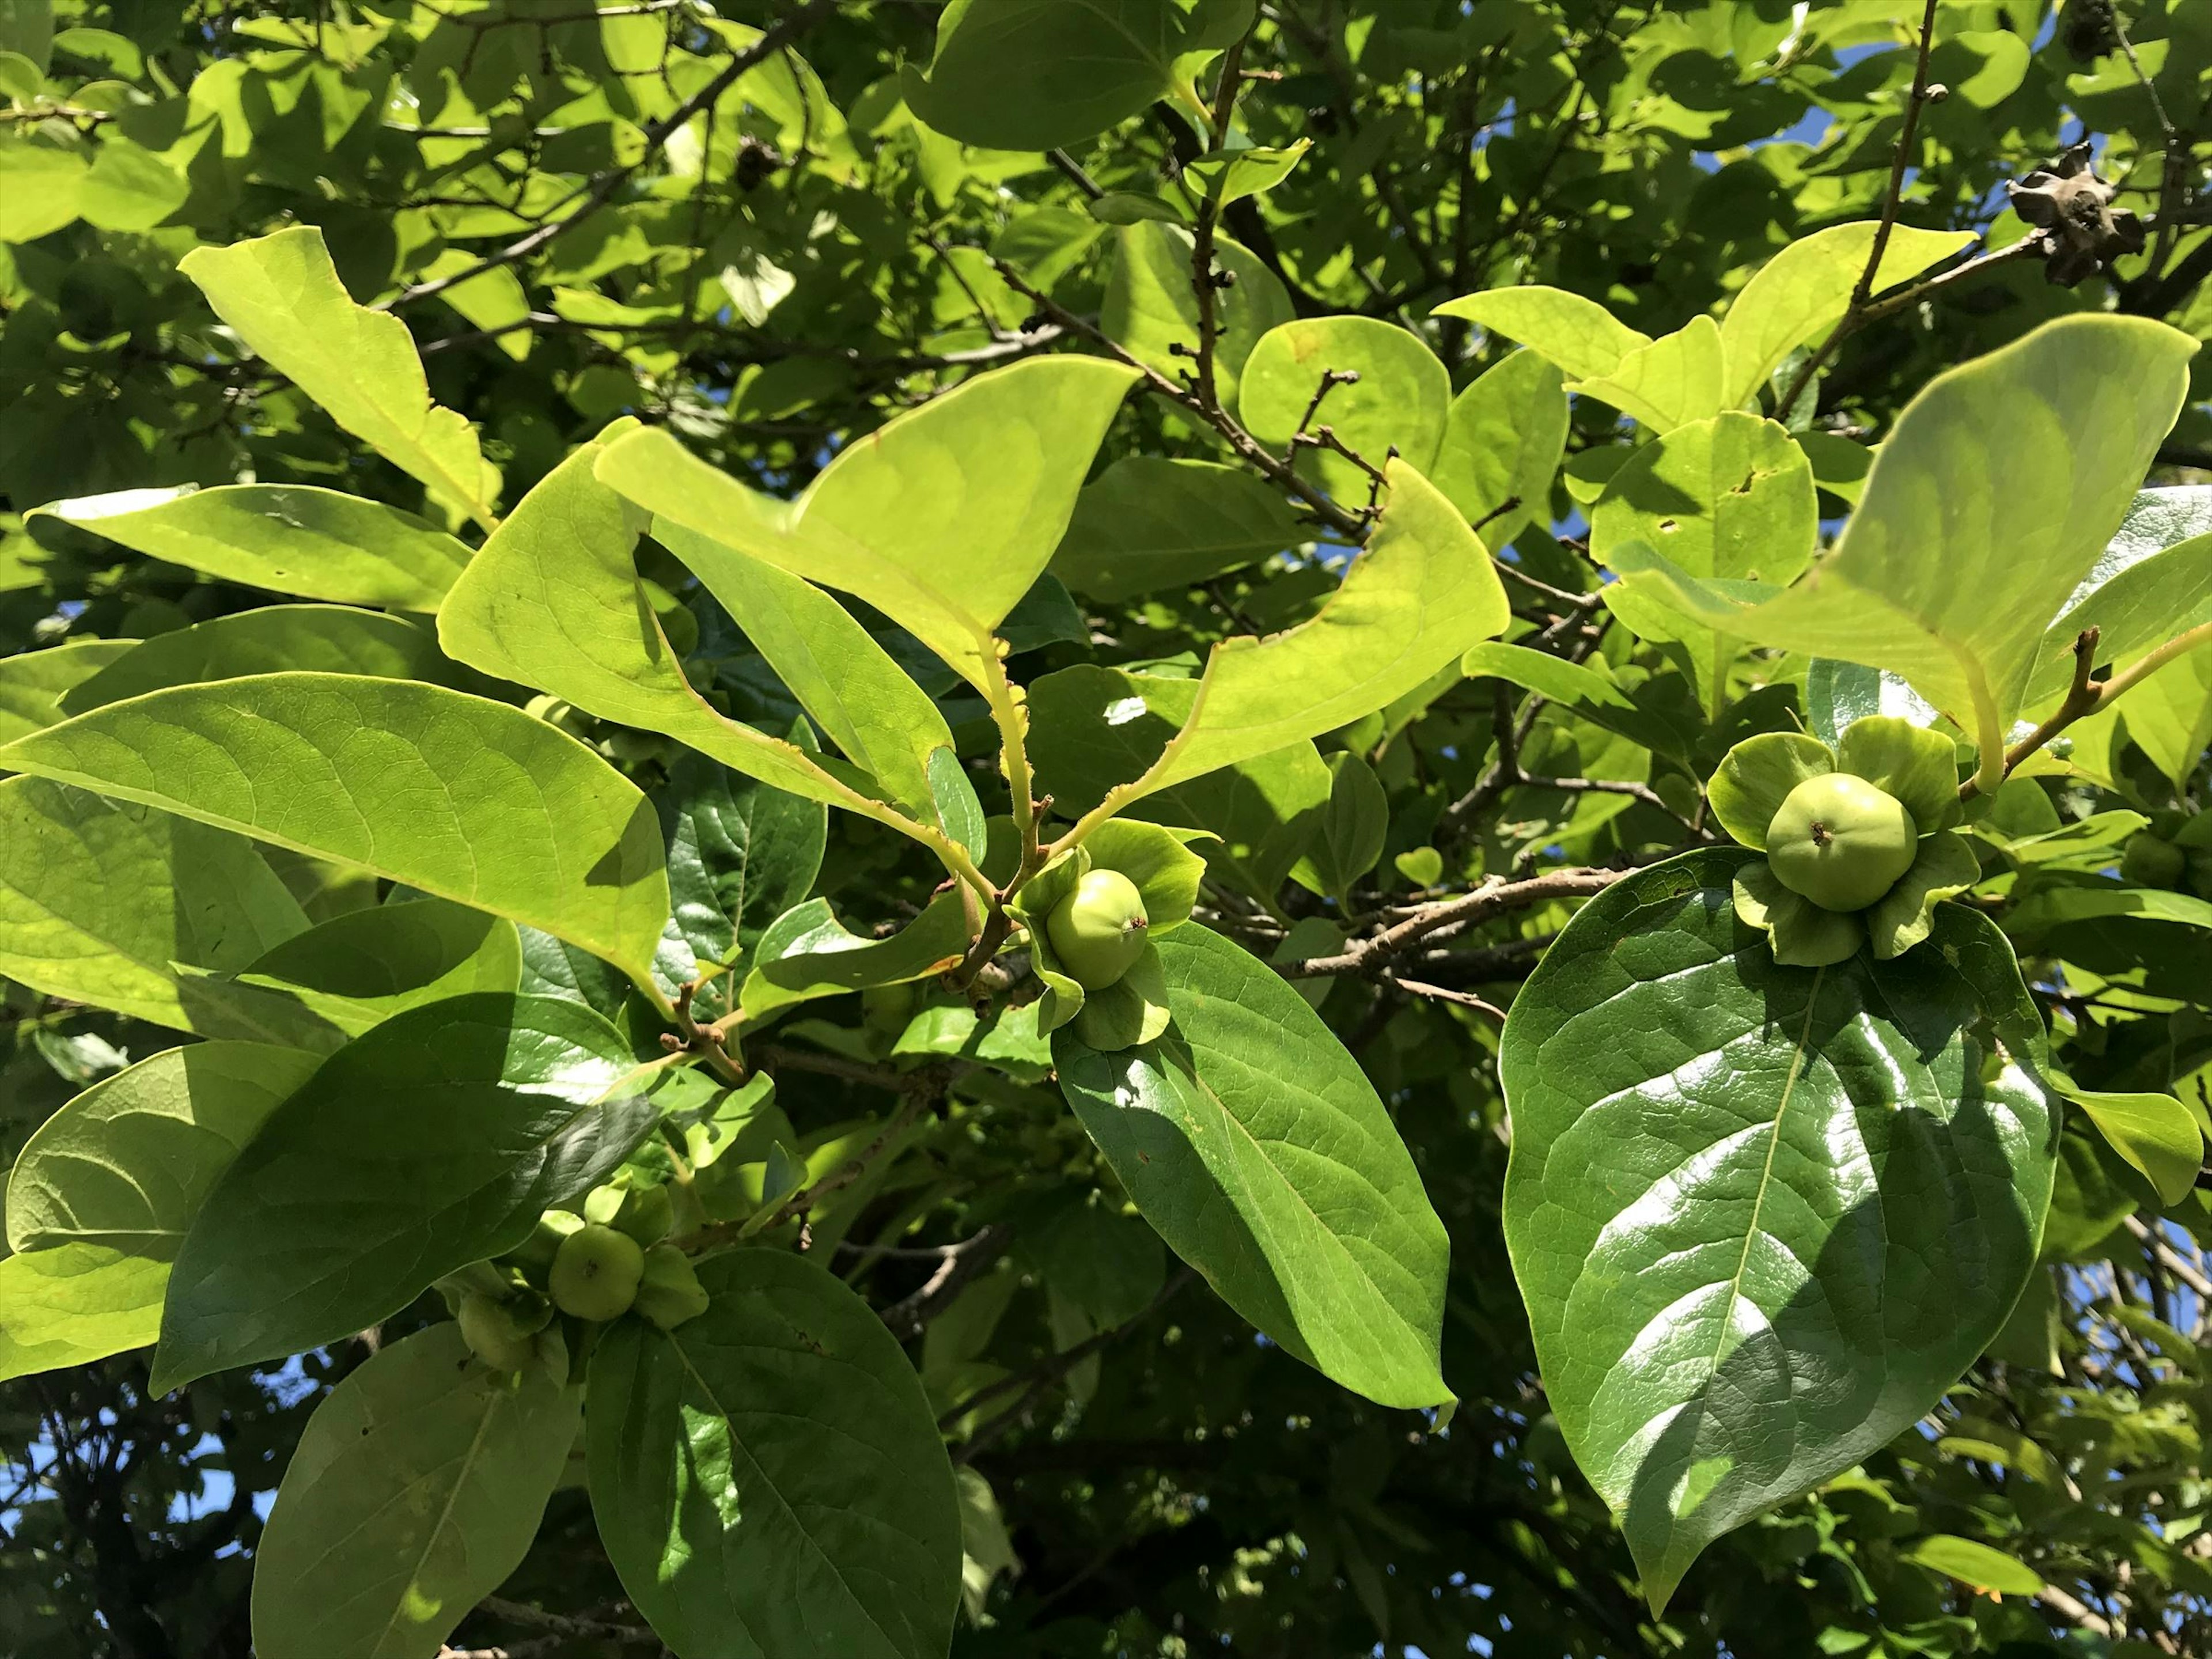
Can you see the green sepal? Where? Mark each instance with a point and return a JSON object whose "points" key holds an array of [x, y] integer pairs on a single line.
{"points": [[1918, 766], [1944, 867], [1063, 998], [1801, 933], [1134, 1008], [1756, 776], [1159, 861]]}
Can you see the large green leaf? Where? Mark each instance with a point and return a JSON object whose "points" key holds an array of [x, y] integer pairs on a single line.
{"points": [[288, 538], [98, 899], [2154, 582], [739, 855], [863, 701], [1420, 594], [1037, 73], [942, 519], [1147, 522], [767, 1478], [1762, 1216], [358, 970], [1801, 292], [1399, 401], [1729, 497], [2001, 483], [1253, 1143], [102, 1194], [471, 801], [33, 683], [1503, 443], [434, 1140], [416, 1489], [1151, 312], [554, 600], [282, 296], [326, 639]]}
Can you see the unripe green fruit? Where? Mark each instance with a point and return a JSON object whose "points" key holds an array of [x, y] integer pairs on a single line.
{"points": [[1098, 931], [596, 1271], [670, 1292], [1840, 841], [496, 1333], [2153, 862]]}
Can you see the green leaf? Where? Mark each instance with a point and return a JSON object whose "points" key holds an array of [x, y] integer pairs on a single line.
{"points": [[434, 1140], [32, 683], [1675, 380], [955, 808], [807, 952], [1416, 598], [470, 800], [2054, 906], [357, 970], [1976, 1565], [1801, 293], [942, 519], [1998, 487], [1151, 312], [76, 1304], [97, 900], [1730, 497], [1147, 522], [1762, 1216], [1580, 335], [1039, 74], [288, 538], [41, 188], [1252, 1143], [416, 1489], [1223, 176], [554, 600], [326, 639], [1353, 823], [2155, 1133], [282, 296], [800, 1502], [739, 855], [1540, 671], [1502, 442], [102, 1193], [2153, 583], [28, 27], [863, 701], [1401, 399]]}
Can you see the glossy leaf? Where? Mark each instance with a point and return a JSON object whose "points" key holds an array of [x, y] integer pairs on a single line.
{"points": [[1254, 1146], [98, 899], [416, 1489], [739, 855], [1034, 75], [807, 952], [767, 1478], [942, 519], [1151, 313], [282, 296], [1732, 1181], [1994, 493], [433, 1141], [1975, 1565], [1147, 523], [357, 970], [288, 538], [471, 801], [1401, 400], [1800, 293], [323, 639], [1502, 444]]}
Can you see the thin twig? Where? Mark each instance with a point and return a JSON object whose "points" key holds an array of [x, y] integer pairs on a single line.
{"points": [[1496, 897], [910, 1316]]}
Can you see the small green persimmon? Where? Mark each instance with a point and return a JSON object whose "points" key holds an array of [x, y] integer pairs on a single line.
{"points": [[2151, 860], [670, 1291], [596, 1272], [1097, 931], [496, 1332], [1841, 841]]}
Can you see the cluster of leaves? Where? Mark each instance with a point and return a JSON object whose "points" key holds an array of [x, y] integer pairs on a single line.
{"points": [[1411, 491]]}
